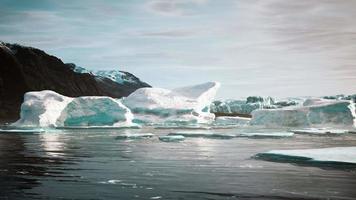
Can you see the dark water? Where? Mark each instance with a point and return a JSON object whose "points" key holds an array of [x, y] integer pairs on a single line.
{"points": [[93, 164]]}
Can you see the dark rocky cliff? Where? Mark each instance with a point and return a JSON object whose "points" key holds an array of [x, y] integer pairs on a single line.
{"points": [[24, 69]]}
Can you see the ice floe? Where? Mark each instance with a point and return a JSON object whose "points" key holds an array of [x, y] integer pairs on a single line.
{"points": [[320, 131], [333, 154], [171, 138], [203, 134], [35, 130], [134, 136], [265, 134]]}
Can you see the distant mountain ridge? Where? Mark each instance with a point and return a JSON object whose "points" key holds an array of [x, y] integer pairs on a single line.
{"points": [[24, 69]]}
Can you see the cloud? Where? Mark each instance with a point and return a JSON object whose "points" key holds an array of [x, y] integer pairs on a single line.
{"points": [[174, 7], [175, 33]]}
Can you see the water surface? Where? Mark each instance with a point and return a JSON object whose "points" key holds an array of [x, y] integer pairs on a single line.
{"points": [[95, 164]]}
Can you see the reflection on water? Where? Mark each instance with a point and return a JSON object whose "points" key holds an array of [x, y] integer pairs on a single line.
{"points": [[53, 144], [94, 164]]}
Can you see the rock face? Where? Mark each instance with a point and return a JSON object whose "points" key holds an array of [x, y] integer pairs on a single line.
{"points": [[24, 69]]}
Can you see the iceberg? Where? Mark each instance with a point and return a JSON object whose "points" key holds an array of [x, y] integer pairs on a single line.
{"points": [[187, 105], [183, 106], [242, 107], [171, 138], [313, 112], [41, 109], [50, 109], [95, 111], [334, 155]]}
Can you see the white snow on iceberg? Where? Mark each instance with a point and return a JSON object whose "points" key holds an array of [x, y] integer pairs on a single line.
{"points": [[41, 109], [334, 154], [178, 106], [313, 112]]}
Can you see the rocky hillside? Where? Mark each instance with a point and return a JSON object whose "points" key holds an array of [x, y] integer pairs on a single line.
{"points": [[24, 69]]}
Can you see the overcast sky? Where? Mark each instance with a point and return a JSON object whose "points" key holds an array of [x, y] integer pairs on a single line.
{"points": [[253, 47]]}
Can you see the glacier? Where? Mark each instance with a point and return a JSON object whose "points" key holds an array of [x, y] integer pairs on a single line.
{"points": [[186, 105], [332, 154], [313, 112]]}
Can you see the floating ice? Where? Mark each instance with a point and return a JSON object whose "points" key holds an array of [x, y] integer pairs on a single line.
{"points": [[134, 136], [243, 106], [49, 109], [313, 112], [36, 130], [204, 135], [186, 105], [334, 154], [41, 109], [266, 134], [171, 138], [319, 131]]}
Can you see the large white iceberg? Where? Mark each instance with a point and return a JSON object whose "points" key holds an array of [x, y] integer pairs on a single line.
{"points": [[41, 109], [334, 154], [150, 105], [50, 109], [178, 106], [314, 112]]}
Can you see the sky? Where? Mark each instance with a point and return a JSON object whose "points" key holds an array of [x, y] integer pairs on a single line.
{"points": [[274, 48]]}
